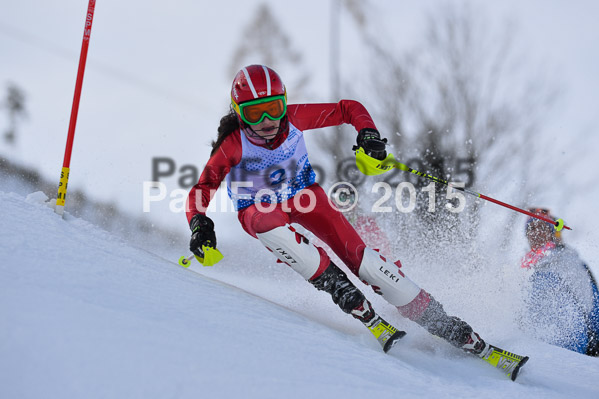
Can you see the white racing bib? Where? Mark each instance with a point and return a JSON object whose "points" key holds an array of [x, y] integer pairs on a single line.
{"points": [[270, 176]]}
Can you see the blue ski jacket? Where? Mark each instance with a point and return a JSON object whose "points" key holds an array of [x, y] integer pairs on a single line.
{"points": [[562, 305]]}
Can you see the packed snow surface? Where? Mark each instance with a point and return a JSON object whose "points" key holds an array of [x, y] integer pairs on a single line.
{"points": [[85, 315]]}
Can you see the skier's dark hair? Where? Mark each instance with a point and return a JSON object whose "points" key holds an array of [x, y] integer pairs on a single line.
{"points": [[228, 124]]}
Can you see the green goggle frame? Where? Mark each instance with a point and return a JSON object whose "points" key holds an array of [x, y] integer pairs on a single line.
{"points": [[253, 112]]}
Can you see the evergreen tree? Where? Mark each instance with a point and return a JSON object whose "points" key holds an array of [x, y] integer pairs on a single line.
{"points": [[14, 104]]}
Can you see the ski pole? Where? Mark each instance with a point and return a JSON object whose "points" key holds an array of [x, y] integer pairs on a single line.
{"points": [[371, 166], [64, 173]]}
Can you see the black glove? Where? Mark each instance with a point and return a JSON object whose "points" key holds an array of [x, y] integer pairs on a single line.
{"points": [[370, 141], [202, 233]]}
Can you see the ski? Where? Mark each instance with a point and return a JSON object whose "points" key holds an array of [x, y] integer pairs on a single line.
{"points": [[387, 336], [509, 362], [385, 333]]}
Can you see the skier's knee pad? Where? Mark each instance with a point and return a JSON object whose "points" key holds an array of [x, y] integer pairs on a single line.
{"points": [[294, 249], [387, 279]]}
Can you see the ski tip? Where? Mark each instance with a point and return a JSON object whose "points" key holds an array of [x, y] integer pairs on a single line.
{"points": [[514, 374], [393, 340]]}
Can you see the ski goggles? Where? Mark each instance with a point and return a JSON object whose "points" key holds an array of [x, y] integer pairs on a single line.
{"points": [[537, 211], [253, 112]]}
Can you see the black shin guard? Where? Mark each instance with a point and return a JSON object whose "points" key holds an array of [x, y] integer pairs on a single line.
{"points": [[437, 322], [344, 293]]}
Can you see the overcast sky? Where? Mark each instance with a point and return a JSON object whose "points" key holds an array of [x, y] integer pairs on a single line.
{"points": [[157, 81]]}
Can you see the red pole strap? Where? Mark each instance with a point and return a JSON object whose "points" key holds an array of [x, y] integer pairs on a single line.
{"points": [[82, 60]]}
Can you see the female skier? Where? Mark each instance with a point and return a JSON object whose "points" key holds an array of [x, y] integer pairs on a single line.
{"points": [[260, 149]]}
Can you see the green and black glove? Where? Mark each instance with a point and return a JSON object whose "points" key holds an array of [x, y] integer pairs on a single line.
{"points": [[370, 140], [202, 234]]}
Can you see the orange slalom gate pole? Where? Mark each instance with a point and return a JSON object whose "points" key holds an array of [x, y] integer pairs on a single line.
{"points": [[64, 174]]}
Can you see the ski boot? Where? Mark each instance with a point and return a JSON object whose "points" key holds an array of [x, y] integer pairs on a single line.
{"points": [[351, 300], [459, 334]]}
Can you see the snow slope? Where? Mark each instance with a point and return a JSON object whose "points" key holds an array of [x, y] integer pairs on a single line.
{"points": [[84, 314]]}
